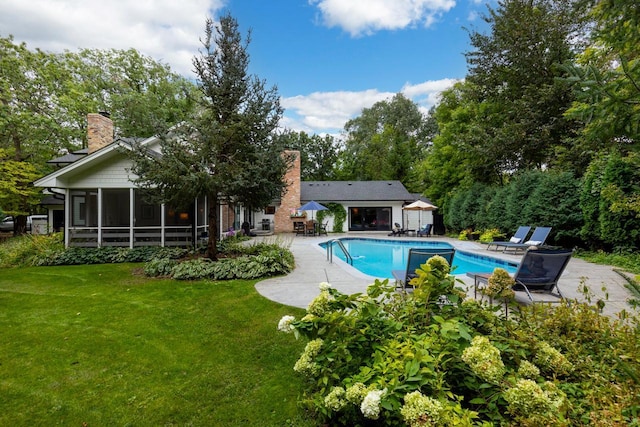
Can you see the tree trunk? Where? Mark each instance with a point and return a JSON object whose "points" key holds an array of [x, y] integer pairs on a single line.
{"points": [[19, 225], [212, 244]]}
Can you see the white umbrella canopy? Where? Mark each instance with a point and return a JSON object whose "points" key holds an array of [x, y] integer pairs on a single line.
{"points": [[420, 205]]}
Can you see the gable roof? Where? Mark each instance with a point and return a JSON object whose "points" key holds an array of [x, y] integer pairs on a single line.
{"points": [[360, 191]]}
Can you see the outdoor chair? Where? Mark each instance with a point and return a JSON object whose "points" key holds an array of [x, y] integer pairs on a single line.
{"points": [[322, 229], [310, 228], [425, 230], [397, 230], [518, 237], [538, 238], [299, 228], [417, 257], [539, 272]]}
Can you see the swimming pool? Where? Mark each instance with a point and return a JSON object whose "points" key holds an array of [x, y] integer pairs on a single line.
{"points": [[378, 257]]}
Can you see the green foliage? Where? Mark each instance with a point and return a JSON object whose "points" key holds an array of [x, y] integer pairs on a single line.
{"points": [[519, 189], [30, 249], [490, 235], [611, 184], [159, 267], [515, 70], [533, 198], [193, 269], [244, 262], [555, 203], [626, 260], [17, 195], [606, 78], [384, 142], [339, 216], [45, 97], [109, 255], [389, 358], [318, 155]]}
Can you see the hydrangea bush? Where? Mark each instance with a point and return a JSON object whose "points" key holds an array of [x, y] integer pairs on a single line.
{"points": [[434, 358]]}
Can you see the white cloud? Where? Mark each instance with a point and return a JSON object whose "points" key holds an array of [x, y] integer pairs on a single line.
{"points": [[427, 94], [358, 17], [327, 112], [166, 30]]}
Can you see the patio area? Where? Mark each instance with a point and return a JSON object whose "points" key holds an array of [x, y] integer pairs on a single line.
{"points": [[300, 287]]}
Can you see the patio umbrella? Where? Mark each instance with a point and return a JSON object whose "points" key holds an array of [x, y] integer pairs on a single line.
{"points": [[420, 205], [312, 206]]}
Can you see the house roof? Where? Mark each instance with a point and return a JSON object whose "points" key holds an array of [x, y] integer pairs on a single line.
{"points": [[69, 157], [362, 191]]}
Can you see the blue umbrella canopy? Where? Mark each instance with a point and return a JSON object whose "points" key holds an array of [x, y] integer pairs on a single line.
{"points": [[312, 206]]}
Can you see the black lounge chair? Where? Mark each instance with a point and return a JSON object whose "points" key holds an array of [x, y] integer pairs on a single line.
{"points": [[538, 238], [417, 257], [518, 237], [539, 272]]}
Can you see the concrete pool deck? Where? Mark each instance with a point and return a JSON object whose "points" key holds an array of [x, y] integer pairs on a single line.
{"points": [[300, 287]]}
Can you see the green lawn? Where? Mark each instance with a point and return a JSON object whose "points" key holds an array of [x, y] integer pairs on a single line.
{"points": [[103, 346]]}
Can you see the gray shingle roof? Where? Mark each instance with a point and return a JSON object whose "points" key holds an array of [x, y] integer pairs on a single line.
{"points": [[70, 157], [340, 191]]}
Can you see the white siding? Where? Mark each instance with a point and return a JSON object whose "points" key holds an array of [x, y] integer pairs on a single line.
{"points": [[109, 174]]}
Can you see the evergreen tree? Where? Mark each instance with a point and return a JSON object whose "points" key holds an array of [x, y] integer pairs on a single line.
{"points": [[227, 152]]}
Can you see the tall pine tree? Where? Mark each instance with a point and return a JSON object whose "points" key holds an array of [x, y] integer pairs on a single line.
{"points": [[226, 152]]}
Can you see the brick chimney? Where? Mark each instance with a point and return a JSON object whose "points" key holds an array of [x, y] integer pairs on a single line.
{"points": [[99, 131], [290, 200]]}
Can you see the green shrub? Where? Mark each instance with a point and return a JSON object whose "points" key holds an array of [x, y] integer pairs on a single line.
{"points": [[247, 262], [519, 189], [28, 249], [554, 203], [110, 255], [432, 358], [490, 235], [193, 269], [159, 267]]}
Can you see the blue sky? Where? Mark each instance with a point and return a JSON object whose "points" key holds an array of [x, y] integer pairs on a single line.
{"points": [[328, 58]]}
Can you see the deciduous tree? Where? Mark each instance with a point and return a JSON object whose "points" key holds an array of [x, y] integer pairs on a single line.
{"points": [[318, 154], [393, 132]]}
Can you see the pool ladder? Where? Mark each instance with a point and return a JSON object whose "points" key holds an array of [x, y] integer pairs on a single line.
{"points": [[330, 251]]}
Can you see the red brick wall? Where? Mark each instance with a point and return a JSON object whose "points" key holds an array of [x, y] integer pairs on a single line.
{"points": [[290, 199], [99, 131]]}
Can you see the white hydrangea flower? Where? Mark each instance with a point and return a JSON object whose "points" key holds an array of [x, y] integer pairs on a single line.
{"points": [[370, 406], [305, 364], [419, 410], [336, 399], [284, 325], [325, 286], [528, 370], [321, 304], [484, 359], [356, 393]]}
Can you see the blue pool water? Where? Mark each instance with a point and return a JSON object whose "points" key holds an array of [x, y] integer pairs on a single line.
{"points": [[378, 257]]}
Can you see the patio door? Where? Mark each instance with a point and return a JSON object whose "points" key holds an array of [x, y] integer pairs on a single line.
{"points": [[369, 218]]}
